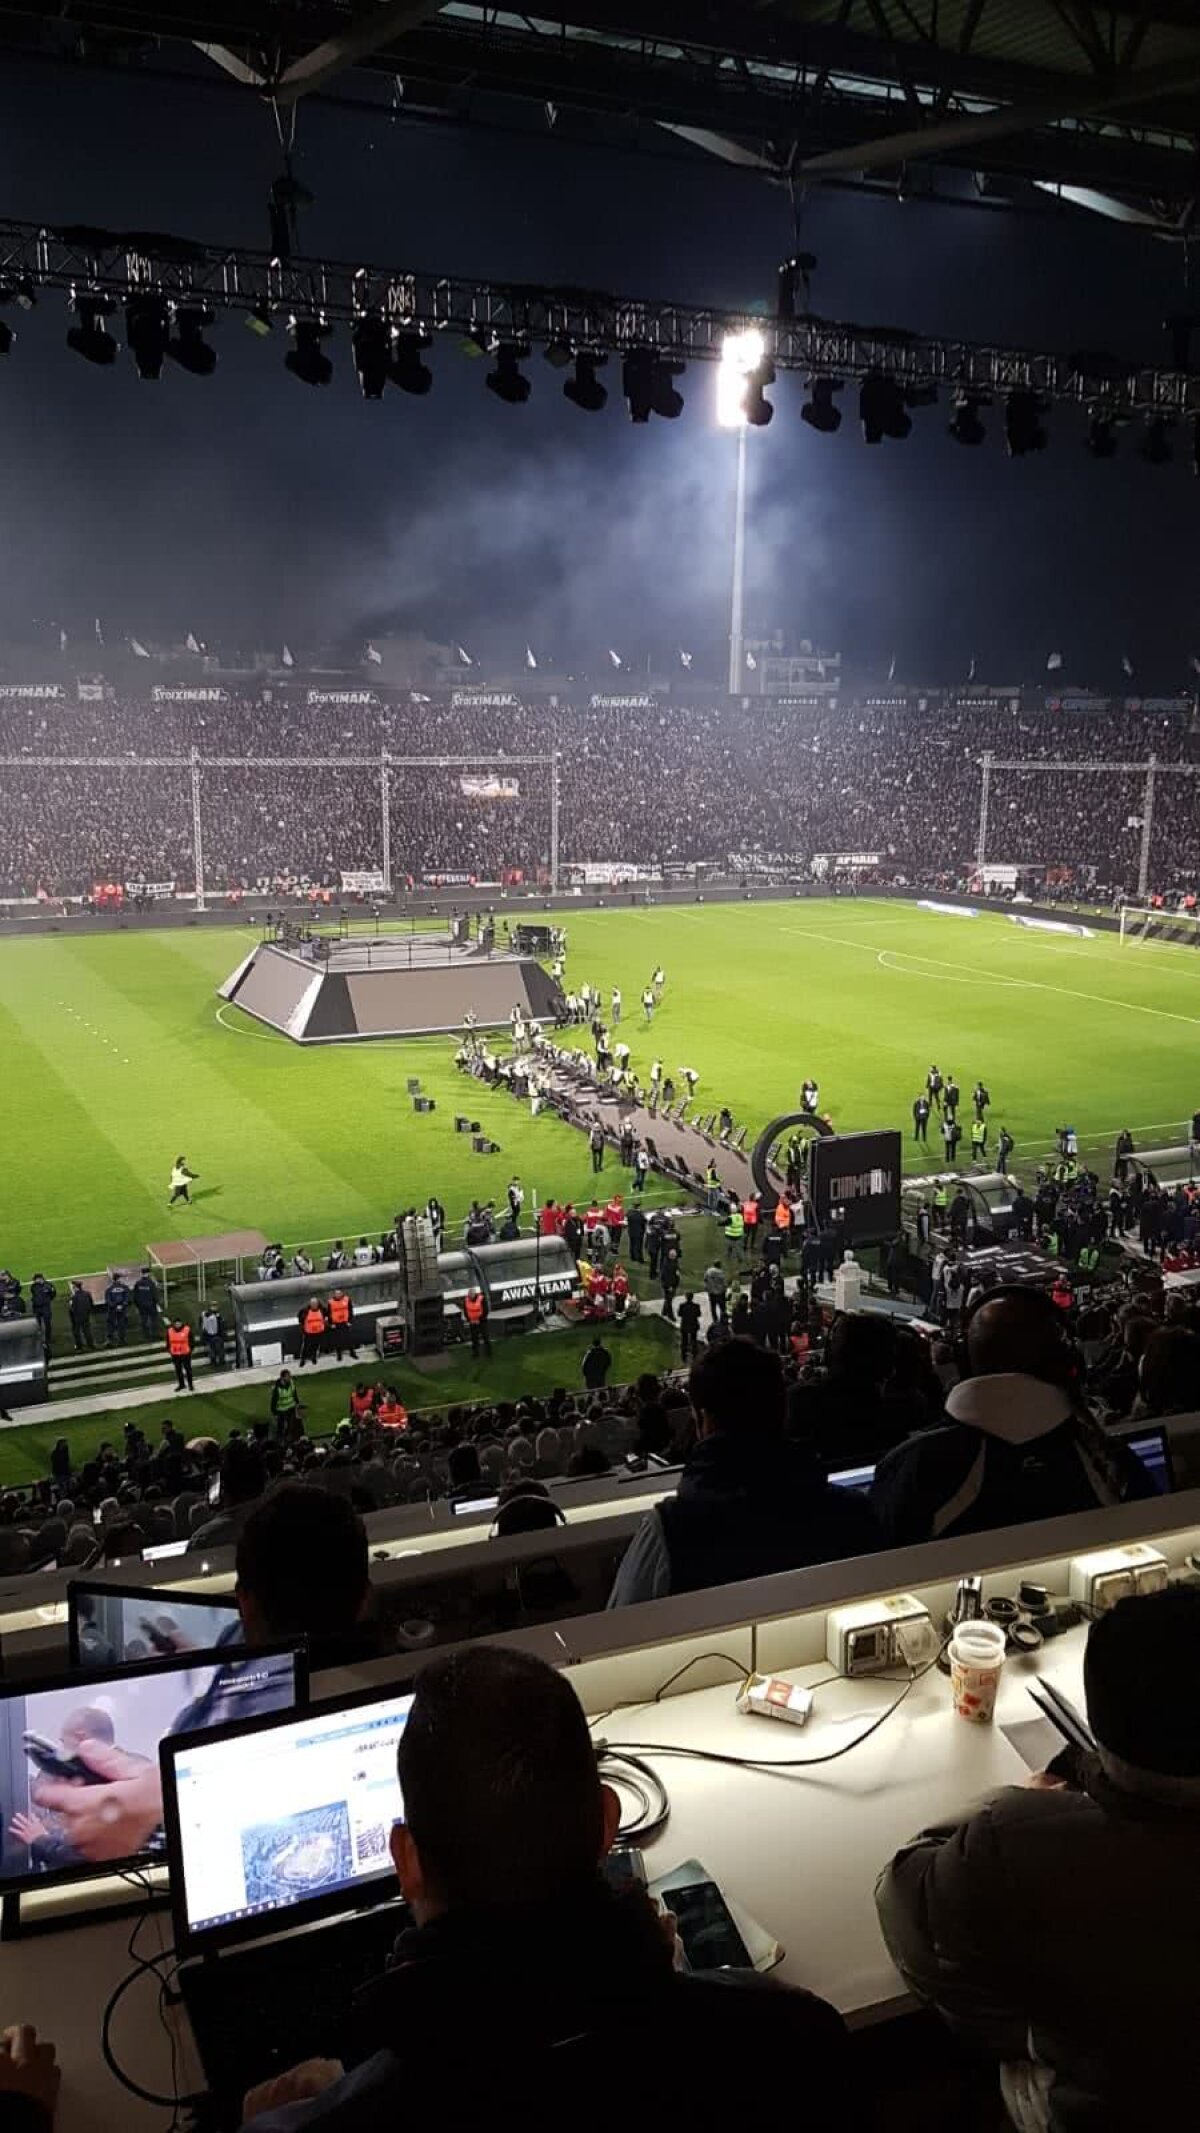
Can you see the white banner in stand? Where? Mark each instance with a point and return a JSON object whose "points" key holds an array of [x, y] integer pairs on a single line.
{"points": [[362, 881]]}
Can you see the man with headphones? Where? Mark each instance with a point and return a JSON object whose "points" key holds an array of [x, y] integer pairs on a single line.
{"points": [[1017, 1443]]}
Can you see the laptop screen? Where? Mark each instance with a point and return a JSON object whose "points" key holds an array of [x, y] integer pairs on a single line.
{"points": [[115, 1625], [853, 1477], [1150, 1446], [272, 1824], [80, 1790]]}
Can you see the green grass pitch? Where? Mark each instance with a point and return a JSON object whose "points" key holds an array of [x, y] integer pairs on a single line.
{"points": [[114, 1060]]}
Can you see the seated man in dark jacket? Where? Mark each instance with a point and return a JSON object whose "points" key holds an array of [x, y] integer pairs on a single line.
{"points": [[843, 1416], [526, 1981], [1012, 1923], [1017, 1444], [749, 1502], [302, 1571]]}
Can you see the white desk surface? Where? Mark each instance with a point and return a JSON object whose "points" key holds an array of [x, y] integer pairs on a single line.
{"points": [[800, 1852]]}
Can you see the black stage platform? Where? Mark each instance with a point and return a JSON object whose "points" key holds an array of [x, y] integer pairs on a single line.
{"points": [[341, 991]]}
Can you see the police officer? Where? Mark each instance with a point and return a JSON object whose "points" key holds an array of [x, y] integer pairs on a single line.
{"points": [[79, 1311], [475, 1311], [179, 1348], [41, 1299], [145, 1301], [341, 1324], [312, 1331], [116, 1311]]}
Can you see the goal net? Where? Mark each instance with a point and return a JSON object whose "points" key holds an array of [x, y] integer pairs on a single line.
{"points": [[1179, 928]]}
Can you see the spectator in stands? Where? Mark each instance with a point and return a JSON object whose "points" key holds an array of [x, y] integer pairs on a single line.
{"points": [[749, 1502], [517, 1934], [243, 1479], [1169, 1376], [1017, 1445], [1002, 1921], [842, 1417], [302, 1571]]}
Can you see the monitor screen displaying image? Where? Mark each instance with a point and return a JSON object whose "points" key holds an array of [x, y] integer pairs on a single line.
{"points": [[80, 1789], [115, 1625]]}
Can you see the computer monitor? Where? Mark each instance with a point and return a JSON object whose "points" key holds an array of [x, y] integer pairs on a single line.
{"points": [[123, 1625], [276, 1822], [80, 1789]]}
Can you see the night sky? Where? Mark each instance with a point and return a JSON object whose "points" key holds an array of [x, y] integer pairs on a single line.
{"points": [[252, 509]]}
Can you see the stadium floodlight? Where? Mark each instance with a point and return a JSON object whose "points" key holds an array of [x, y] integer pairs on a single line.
{"points": [[508, 381], [408, 371], [147, 331], [743, 371], [584, 390], [371, 343], [648, 383], [964, 425], [819, 411], [881, 409], [187, 345], [91, 338], [1101, 439], [1023, 427], [1155, 446], [306, 359]]}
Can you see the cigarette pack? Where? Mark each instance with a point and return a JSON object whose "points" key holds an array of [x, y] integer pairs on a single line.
{"points": [[767, 1696]]}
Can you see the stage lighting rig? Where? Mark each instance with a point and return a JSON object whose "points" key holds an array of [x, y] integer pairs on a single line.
{"points": [[584, 390], [147, 330], [818, 410], [187, 345], [306, 359], [1155, 447], [91, 338], [881, 409], [964, 425], [508, 381], [1023, 428], [407, 370], [648, 383], [372, 346]]}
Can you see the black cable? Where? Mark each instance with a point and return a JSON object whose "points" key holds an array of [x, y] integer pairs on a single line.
{"points": [[143, 1965], [631, 1774]]}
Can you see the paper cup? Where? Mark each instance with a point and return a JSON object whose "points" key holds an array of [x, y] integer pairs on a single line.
{"points": [[976, 1658]]}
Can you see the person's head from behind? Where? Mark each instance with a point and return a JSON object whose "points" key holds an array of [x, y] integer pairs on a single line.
{"points": [[862, 1347], [503, 1805], [1137, 1655], [243, 1476], [1018, 1329], [737, 1390], [87, 1723], [301, 1565], [463, 1466], [1169, 1372]]}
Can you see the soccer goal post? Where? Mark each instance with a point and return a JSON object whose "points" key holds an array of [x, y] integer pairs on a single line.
{"points": [[1180, 928]]}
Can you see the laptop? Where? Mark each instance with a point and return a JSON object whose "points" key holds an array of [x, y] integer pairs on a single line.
{"points": [[283, 1892], [120, 1625], [1152, 1447]]}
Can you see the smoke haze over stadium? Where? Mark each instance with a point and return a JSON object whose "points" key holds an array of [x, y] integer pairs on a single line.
{"points": [[254, 510]]}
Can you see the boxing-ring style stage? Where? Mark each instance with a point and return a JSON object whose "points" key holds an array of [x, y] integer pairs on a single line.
{"points": [[328, 990]]}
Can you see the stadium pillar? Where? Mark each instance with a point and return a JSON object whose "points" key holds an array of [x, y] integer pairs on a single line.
{"points": [[197, 830], [554, 823], [984, 795], [385, 822], [1147, 827], [737, 677]]}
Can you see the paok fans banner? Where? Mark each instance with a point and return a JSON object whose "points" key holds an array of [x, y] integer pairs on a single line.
{"points": [[482, 700], [488, 786], [363, 881], [364, 697], [624, 703], [150, 891], [33, 692]]}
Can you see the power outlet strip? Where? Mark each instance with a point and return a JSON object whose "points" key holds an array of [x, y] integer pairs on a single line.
{"points": [[1111, 1574], [874, 1636]]}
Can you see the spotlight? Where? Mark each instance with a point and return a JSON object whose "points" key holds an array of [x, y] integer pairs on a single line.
{"points": [[187, 345], [508, 381], [1023, 430], [584, 390], [1101, 439], [881, 409], [147, 330], [259, 320], [408, 371], [372, 346], [758, 409], [819, 412], [1155, 446], [964, 425], [647, 381], [91, 338], [744, 369], [559, 353], [307, 359], [7, 337]]}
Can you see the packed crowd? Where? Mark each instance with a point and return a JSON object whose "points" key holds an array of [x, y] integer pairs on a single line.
{"points": [[788, 783]]}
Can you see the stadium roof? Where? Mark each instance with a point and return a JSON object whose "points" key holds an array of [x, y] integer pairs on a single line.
{"points": [[986, 98]]}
